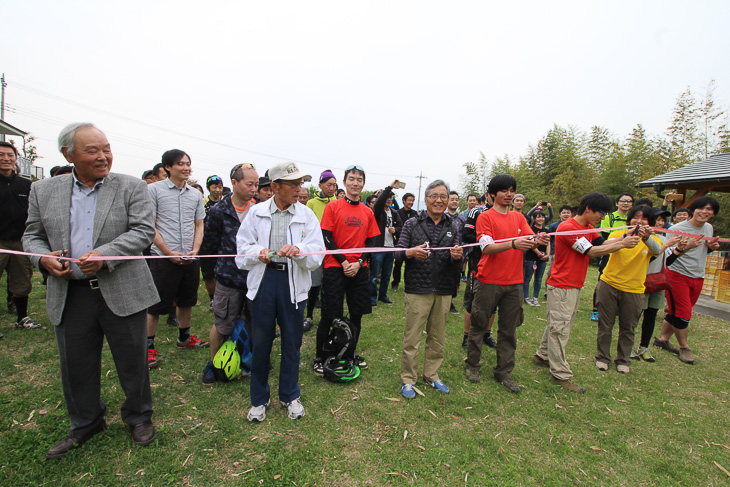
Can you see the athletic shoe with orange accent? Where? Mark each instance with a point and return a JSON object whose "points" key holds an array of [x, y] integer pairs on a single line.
{"points": [[152, 358], [192, 342]]}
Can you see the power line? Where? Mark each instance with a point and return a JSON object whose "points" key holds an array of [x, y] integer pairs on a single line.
{"points": [[36, 91]]}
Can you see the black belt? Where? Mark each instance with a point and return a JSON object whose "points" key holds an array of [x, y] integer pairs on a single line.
{"points": [[278, 266], [90, 283]]}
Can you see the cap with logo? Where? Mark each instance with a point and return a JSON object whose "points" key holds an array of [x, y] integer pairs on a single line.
{"points": [[287, 171]]}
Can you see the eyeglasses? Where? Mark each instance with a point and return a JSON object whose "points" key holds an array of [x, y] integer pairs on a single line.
{"points": [[625, 201], [355, 166], [442, 197], [241, 166], [292, 184]]}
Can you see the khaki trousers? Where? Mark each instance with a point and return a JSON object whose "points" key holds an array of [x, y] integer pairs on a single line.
{"points": [[430, 310], [562, 306], [627, 306]]}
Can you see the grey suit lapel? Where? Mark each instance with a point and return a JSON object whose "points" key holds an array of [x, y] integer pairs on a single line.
{"points": [[104, 200], [64, 211]]}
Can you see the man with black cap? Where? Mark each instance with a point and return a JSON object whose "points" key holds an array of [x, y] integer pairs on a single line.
{"points": [[265, 191]]}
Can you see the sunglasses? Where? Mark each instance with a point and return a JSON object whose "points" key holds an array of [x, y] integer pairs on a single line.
{"points": [[355, 166], [241, 166], [213, 180], [625, 201]]}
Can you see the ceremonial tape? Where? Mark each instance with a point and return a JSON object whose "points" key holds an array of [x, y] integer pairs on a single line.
{"points": [[369, 250]]}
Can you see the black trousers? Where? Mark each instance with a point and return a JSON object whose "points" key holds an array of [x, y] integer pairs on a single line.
{"points": [[335, 288], [86, 321]]}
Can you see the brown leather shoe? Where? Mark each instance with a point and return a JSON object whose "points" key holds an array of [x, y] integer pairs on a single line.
{"points": [[67, 444], [510, 385], [538, 360], [143, 433], [666, 346], [685, 355], [566, 384]]}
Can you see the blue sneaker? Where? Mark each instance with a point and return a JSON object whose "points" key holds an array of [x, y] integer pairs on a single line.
{"points": [[208, 375], [594, 316], [385, 300], [407, 391], [438, 385]]}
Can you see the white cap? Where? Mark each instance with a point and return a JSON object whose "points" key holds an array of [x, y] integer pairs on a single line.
{"points": [[287, 171]]}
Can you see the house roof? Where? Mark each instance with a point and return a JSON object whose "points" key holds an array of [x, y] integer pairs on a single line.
{"points": [[7, 129], [714, 170]]}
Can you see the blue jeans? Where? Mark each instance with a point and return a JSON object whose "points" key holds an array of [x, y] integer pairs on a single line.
{"points": [[271, 304], [541, 264], [381, 265]]}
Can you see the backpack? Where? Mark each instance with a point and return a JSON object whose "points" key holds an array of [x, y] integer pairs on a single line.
{"points": [[341, 339]]}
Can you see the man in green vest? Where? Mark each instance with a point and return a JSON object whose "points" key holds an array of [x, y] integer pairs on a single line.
{"points": [[624, 202]]}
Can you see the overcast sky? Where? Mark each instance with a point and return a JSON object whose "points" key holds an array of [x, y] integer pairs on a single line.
{"points": [[397, 87]]}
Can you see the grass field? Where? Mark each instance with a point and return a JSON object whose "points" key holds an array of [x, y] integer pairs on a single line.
{"points": [[664, 424]]}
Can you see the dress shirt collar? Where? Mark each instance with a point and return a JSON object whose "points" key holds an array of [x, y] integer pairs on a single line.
{"points": [[81, 185], [171, 185], [274, 208]]}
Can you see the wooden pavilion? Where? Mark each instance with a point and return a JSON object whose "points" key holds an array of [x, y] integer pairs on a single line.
{"points": [[712, 174]]}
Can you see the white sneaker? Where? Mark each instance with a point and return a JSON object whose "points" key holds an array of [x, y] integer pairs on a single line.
{"points": [[528, 302], [535, 302], [258, 413], [601, 366], [294, 409], [623, 369]]}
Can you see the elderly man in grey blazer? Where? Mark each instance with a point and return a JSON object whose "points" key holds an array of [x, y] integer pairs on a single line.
{"points": [[93, 212]]}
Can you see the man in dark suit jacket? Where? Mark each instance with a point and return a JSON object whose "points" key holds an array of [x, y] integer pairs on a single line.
{"points": [[95, 213]]}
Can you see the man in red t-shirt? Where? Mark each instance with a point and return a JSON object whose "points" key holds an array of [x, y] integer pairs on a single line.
{"points": [[346, 224], [499, 280], [568, 275]]}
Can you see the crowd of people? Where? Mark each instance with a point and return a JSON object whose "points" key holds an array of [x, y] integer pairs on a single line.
{"points": [[119, 252]]}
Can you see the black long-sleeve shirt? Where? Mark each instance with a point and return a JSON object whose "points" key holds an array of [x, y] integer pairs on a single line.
{"points": [[14, 192]]}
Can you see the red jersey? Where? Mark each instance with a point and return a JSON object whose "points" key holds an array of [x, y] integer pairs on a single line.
{"points": [[504, 268], [571, 264], [350, 225]]}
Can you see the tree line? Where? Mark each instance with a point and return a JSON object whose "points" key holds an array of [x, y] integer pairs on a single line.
{"points": [[569, 162]]}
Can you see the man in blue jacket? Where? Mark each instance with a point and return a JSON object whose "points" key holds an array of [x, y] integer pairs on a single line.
{"points": [[221, 228]]}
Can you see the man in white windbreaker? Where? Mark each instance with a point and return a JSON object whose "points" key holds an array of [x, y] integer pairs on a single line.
{"points": [[277, 233]]}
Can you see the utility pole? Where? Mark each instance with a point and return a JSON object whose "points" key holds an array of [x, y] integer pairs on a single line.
{"points": [[420, 178], [3, 84]]}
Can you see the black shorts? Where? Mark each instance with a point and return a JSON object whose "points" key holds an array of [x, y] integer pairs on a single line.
{"points": [[357, 288], [207, 268], [176, 285]]}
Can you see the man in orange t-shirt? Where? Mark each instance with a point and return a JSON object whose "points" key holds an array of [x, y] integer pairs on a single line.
{"points": [[568, 275], [346, 224], [499, 280]]}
